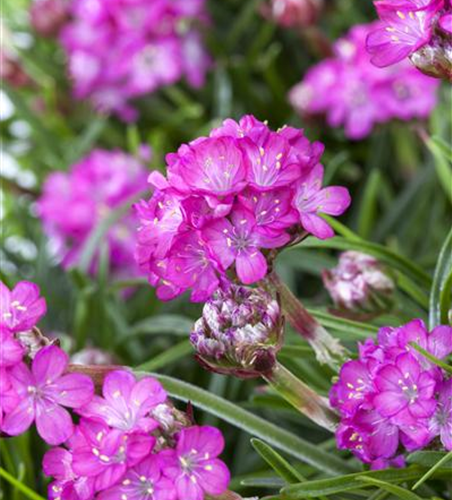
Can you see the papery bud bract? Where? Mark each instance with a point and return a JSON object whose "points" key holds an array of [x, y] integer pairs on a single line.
{"points": [[239, 333], [359, 284]]}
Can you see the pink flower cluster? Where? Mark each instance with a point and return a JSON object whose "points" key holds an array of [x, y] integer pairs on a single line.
{"points": [[121, 50], [406, 27], [227, 200], [352, 93], [73, 204], [126, 444], [392, 398]]}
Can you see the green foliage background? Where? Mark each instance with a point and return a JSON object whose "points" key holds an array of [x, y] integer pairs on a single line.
{"points": [[401, 213]]}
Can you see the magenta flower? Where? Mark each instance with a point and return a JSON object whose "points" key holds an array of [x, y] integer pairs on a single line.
{"points": [[94, 187], [441, 422], [351, 92], [11, 351], [144, 482], [311, 200], [227, 199], [44, 391], [57, 462], [21, 308], [105, 454], [126, 403], [9, 398], [193, 465], [119, 51], [239, 241]]}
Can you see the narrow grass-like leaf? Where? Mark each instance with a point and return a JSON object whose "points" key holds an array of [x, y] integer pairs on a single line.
{"points": [[279, 464], [353, 329], [431, 358], [442, 165], [93, 242], [443, 461], [256, 426], [402, 264], [19, 486], [428, 458], [441, 290], [349, 482], [167, 357], [398, 491]]}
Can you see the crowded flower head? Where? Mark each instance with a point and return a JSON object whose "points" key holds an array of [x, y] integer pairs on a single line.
{"points": [[94, 187], [129, 442], [420, 30], [354, 94], [394, 400], [118, 51], [228, 201]]}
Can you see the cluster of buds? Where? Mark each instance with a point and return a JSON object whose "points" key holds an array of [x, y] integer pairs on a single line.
{"points": [[47, 17], [420, 30], [239, 333], [359, 285]]}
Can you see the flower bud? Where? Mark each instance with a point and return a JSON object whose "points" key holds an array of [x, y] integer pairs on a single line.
{"points": [[92, 356], [239, 333], [359, 284], [11, 71], [48, 16], [294, 13]]}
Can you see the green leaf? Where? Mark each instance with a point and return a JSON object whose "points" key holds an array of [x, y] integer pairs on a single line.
{"points": [[19, 486], [93, 242], [350, 482], [398, 491], [368, 206], [427, 458], [441, 462], [279, 464], [431, 358], [167, 357], [353, 329], [394, 260], [442, 165], [254, 425], [440, 296]]}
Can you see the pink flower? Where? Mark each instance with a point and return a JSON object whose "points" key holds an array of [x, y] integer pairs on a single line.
{"points": [[21, 308], [407, 26], [119, 51], [126, 403], [311, 200], [193, 465], [43, 391], [106, 454], [351, 92], [57, 462], [239, 241], [226, 200], [11, 351], [9, 398], [144, 482], [93, 188], [441, 422]]}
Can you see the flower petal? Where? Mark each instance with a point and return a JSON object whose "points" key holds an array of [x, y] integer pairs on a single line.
{"points": [[53, 423]]}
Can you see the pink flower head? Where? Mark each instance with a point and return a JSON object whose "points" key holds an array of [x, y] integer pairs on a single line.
{"points": [[119, 51], [22, 307], [57, 462], [93, 188], [105, 454], [44, 391], [126, 403], [194, 466], [227, 199], [406, 27], [351, 92], [9, 398], [311, 200], [392, 397], [146, 481]]}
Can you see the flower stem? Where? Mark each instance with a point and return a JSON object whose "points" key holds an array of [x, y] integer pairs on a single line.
{"points": [[328, 349], [302, 397]]}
